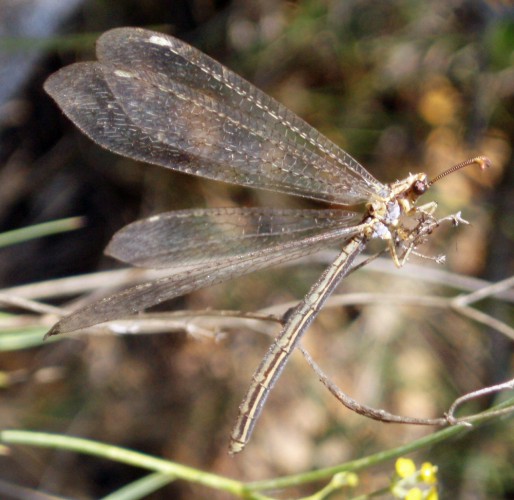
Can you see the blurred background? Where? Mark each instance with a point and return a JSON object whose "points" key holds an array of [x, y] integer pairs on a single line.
{"points": [[403, 86]]}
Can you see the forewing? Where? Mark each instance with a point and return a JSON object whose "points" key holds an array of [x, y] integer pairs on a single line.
{"points": [[194, 115], [84, 96], [201, 236]]}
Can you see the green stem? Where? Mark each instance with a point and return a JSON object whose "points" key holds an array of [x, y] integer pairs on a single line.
{"points": [[142, 487], [377, 458], [245, 490], [39, 230], [122, 455]]}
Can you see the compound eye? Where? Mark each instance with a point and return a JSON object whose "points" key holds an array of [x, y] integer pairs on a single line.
{"points": [[419, 188]]}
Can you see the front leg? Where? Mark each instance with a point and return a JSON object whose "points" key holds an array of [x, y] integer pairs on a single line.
{"points": [[427, 209], [410, 240]]}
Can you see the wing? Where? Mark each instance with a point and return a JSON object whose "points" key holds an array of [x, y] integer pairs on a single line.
{"points": [[154, 98], [221, 265], [190, 238]]}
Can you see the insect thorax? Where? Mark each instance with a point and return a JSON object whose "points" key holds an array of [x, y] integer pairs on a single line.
{"points": [[384, 214]]}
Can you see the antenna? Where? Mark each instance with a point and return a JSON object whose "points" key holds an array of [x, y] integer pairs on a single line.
{"points": [[482, 161]]}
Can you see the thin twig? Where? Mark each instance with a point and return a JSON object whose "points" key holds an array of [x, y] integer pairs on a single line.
{"points": [[361, 409], [486, 319], [81, 284], [504, 386], [29, 305], [492, 289]]}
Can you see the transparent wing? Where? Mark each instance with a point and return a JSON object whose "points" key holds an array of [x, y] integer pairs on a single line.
{"points": [[141, 297], [201, 236], [155, 98]]}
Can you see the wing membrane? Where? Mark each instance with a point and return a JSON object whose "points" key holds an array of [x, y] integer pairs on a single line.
{"points": [[200, 236], [82, 93], [190, 113]]}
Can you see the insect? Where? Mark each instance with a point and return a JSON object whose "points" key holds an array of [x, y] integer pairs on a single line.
{"points": [[154, 98]]}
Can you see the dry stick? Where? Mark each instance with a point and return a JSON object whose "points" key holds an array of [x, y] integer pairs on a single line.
{"points": [[353, 299], [432, 274], [458, 304], [20, 296], [484, 292], [385, 416], [76, 285], [361, 409], [509, 385], [29, 304], [346, 400], [485, 319], [187, 321], [142, 320], [151, 322]]}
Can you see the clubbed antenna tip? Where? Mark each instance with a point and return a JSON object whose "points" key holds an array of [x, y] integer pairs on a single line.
{"points": [[482, 161]]}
